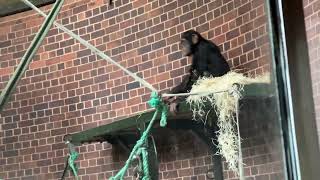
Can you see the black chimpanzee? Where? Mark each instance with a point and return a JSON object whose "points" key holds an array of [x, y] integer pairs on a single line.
{"points": [[207, 60]]}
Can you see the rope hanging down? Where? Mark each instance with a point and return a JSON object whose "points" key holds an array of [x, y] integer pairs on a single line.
{"points": [[139, 148], [73, 155]]}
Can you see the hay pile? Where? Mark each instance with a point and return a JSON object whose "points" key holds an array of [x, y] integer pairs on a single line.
{"points": [[225, 106]]}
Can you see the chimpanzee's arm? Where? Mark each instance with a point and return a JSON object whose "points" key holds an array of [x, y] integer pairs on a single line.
{"points": [[213, 63], [183, 87]]}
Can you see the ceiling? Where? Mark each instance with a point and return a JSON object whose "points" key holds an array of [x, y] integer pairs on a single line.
{"points": [[9, 7]]}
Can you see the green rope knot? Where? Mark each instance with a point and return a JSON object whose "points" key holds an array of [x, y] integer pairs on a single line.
{"points": [[157, 103]]}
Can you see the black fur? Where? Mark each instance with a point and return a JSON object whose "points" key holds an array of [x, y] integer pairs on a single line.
{"points": [[207, 60]]}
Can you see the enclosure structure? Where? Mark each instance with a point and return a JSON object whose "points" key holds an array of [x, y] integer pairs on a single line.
{"points": [[67, 90]]}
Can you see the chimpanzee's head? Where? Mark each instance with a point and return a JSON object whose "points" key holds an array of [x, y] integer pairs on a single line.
{"points": [[189, 40]]}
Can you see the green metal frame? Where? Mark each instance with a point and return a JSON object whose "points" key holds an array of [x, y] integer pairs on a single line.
{"points": [[26, 59]]}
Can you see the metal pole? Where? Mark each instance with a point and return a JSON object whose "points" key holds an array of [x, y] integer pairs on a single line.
{"points": [[235, 92]]}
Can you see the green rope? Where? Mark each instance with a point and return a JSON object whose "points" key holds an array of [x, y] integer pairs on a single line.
{"points": [[72, 158], [139, 148], [164, 114], [145, 162], [155, 102]]}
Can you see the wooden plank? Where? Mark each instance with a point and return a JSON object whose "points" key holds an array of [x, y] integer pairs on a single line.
{"points": [[250, 91], [9, 7]]}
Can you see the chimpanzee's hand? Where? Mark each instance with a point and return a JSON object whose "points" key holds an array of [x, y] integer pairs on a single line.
{"points": [[174, 108], [168, 100], [194, 73], [206, 74], [165, 99]]}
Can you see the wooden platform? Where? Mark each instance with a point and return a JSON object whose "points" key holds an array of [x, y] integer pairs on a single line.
{"points": [[108, 131]]}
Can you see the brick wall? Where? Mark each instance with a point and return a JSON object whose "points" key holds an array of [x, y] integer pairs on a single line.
{"points": [[312, 21], [67, 89]]}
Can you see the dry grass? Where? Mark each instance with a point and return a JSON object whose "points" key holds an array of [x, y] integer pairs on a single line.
{"points": [[224, 104]]}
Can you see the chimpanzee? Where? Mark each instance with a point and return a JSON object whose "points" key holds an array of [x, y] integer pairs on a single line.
{"points": [[207, 60]]}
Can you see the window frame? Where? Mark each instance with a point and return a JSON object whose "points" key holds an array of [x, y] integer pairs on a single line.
{"points": [[294, 86]]}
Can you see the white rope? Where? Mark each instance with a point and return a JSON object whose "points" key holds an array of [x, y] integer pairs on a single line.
{"points": [[241, 170], [92, 48], [204, 93]]}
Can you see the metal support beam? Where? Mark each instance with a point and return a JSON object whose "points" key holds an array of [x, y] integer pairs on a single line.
{"points": [[26, 59], [123, 145], [217, 161]]}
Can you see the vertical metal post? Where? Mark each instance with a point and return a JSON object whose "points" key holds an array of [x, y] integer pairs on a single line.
{"points": [[217, 164], [301, 143], [236, 94]]}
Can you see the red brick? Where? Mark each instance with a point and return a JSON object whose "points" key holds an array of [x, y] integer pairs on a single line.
{"points": [[140, 3], [170, 174], [185, 172], [6, 71]]}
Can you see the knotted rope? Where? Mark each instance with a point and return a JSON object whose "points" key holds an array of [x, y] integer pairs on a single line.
{"points": [[139, 148]]}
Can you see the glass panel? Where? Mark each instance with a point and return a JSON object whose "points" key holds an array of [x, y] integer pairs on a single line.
{"points": [[104, 111]]}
